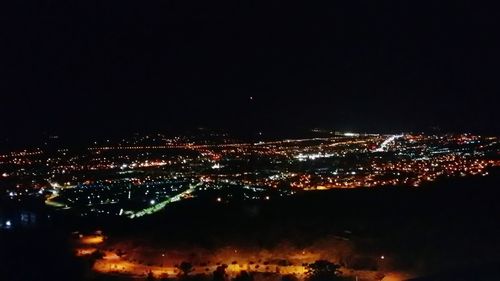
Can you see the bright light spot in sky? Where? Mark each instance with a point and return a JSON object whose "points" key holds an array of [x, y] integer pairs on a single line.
{"points": [[152, 202], [8, 223]]}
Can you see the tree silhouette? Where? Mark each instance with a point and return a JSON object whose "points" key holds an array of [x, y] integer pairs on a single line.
{"points": [[220, 273], [164, 277], [243, 276], [185, 268], [150, 276], [323, 270]]}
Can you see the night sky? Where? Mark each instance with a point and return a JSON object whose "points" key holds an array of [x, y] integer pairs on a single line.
{"points": [[107, 67]]}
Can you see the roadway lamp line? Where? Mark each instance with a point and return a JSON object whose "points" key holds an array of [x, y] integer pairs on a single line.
{"points": [[386, 143], [161, 205]]}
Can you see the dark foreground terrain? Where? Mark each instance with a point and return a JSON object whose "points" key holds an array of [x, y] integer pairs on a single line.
{"points": [[447, 230]]}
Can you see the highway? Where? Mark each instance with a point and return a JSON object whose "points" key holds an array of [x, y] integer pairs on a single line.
{"points": [[161, 205], [386, 143]]}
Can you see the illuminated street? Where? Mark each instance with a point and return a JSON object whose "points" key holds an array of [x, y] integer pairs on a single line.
{"points": [[176, 140]]}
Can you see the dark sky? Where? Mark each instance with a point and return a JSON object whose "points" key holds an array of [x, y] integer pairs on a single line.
{"points": [[105, 67]]}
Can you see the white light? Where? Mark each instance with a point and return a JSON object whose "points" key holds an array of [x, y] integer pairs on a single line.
{"points": [[8, 223], [152, 202], [350, 135], [384, 144]]}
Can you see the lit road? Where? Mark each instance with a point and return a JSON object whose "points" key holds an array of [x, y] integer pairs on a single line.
{"points": [[386, 143], [159, 206], [50, 201], [111, 263], [397, 276]]}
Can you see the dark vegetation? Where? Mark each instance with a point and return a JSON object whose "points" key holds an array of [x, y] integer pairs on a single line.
{"points": [[442, 225], [41, 255], [446, 228]]}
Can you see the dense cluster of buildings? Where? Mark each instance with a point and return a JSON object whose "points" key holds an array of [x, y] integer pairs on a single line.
{"points": [[144, 174]]}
